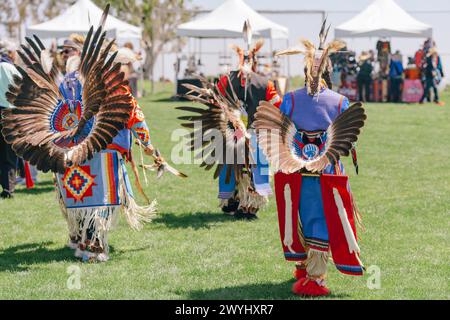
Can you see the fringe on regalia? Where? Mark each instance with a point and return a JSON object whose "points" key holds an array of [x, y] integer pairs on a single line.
{"points": [[248, 197], [91, 224]]}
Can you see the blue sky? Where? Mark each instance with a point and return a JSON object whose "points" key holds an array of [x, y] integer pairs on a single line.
{"points": [[308, 25]]}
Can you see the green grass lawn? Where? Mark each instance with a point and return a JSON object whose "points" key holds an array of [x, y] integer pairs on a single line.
{"points": [[192, 251]]}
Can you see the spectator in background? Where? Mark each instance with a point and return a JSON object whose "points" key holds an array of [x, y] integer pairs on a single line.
{"points": [[396, 77], [418, 57], [69, 50], [133, 75], [126, 57], [428, 44], [372, 57], [433, 75], [72, 47], [364, 77], [8, 158]]}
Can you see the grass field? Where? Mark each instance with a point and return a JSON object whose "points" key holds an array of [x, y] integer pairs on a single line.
{"points": [[192, 251]]}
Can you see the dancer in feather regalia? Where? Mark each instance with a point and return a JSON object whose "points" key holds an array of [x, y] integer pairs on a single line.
{"points": [[304, 140], [243, 187], [81, 129]]}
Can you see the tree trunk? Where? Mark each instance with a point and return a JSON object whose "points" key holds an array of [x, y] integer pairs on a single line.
{"points": [[149, 65]]}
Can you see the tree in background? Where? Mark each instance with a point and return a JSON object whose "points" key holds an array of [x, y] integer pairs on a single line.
{"points": [[15, 13], [158, 20]]}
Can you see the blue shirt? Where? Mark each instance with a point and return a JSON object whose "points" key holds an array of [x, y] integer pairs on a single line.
{"points": [[396, 69], [312, 113]]}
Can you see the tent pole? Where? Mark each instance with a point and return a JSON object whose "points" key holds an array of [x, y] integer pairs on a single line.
{"points": [[163, 64], [189, 46], [195, 48], [271, 51], [200, 54], [224, 50], [177, 67], [288, 60]]}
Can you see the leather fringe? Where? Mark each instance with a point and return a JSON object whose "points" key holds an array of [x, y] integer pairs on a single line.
{"points": [[247, 197], [316, 263]]}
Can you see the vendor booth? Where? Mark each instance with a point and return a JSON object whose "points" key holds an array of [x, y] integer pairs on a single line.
{"points": [[226, 22], [384, 20]]}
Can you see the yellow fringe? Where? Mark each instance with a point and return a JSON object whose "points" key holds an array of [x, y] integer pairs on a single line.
{"points": [[98, 220], [247, 197], [301, 237], [316, 263], [135, 215]]}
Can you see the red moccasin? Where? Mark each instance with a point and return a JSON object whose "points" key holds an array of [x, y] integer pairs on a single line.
{"points": [[310, 288], [299, 273]]}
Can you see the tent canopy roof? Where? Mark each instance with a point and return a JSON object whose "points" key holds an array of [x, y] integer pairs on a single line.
{"points": [[78, 19], [227, 20], [383, 18]]}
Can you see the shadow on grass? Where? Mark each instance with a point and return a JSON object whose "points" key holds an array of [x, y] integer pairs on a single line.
{"points": [[48, 182], [38, 189], [198, 220], [260, 291], [165, 99], [21, 257]]}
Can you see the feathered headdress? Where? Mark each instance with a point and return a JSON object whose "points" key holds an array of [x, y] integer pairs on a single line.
{"points": [[248, 56], [316, 59]]}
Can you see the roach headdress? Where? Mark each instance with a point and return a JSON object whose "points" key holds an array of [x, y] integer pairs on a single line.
{"points": [[316, 59], [248, 56]]}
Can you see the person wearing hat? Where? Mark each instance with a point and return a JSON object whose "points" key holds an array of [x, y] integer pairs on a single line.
{"points": [[433, 75], [90, 240], [94, 188], [8, 158], [127, 57], [364, 77], [71, 48]]}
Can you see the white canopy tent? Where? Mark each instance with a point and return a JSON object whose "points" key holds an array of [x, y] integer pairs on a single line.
{"points": [[383, 18], [227, 20], [78, 18]]}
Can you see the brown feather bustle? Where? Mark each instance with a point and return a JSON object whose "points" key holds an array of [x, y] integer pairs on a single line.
{"points": [[276, 133], [223, 114], [36, 94]]}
